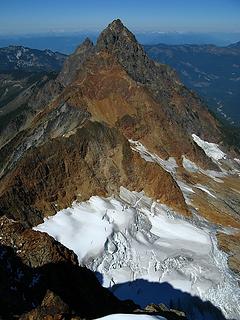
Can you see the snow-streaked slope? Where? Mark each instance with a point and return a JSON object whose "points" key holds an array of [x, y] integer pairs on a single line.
{"points": [[143, 250], [131, 317], [212, 150], [204, 189], [170, 165], [192, 167], [226, 165]]}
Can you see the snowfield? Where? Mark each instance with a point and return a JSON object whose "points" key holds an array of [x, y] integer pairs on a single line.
{"points": [[143, 251]]}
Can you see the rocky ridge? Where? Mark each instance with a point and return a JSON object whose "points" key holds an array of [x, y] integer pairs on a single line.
{"points": [[80, 139], [41, 279]]}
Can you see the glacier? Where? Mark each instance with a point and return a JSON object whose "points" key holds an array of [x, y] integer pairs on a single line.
{"points": [[142, 250]]}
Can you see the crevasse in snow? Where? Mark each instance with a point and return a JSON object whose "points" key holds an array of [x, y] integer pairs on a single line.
{"points": [[146, 252], [132, 241]]}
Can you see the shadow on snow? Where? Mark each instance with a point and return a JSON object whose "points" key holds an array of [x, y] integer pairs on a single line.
{"points": [[143, 292]]}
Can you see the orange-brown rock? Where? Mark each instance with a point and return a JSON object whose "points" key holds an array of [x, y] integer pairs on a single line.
{"points": [[112, 96], [95, 160], [41, 279], [63, 157], [230, 244], [76, 145]]}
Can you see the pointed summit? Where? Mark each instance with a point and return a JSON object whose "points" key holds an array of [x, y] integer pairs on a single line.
{"points": [[74, 61], [120, 42], [87, 42], [116, 24], [85, 45], [115, 33]]}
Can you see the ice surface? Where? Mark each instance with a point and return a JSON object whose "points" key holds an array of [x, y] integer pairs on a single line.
{"points": [[212, 150], [130, 317], [139, 244]]}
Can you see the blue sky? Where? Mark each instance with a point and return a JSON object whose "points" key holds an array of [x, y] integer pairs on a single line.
{"points": [[38, 16]]}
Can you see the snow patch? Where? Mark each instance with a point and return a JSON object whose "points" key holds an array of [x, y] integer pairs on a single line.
{"points": [[212, 150], [131, 317], [170, 165], [204, 189], [193, 168], [18, 54], [237, 160], [187, 190]]}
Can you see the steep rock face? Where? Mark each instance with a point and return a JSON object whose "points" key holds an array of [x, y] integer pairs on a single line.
{"points": [[42, 278], [18, 114], [117, 39], [76, 144], [115, 84], [74, 61], [159, 79], [34, 248], [94, 160], [230, 244], [112, 96]]}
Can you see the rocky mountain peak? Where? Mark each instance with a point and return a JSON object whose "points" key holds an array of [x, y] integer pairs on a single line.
{"points": [[116, 36], [88, 42], [116, 24], [85, 45], [74, 61], [122, 44], [122, 131]]}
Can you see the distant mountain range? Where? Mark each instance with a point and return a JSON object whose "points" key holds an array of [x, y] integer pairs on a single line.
{"points": [[67, 42], [213, 72], [26, 59], [21, 70], [235, 45]]}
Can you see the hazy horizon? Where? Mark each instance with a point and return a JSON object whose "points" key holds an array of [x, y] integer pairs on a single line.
{"points": [[62, 16], [66, 43]]}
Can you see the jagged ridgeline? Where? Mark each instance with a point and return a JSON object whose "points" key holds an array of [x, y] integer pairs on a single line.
{"points": [[114, 123]]}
